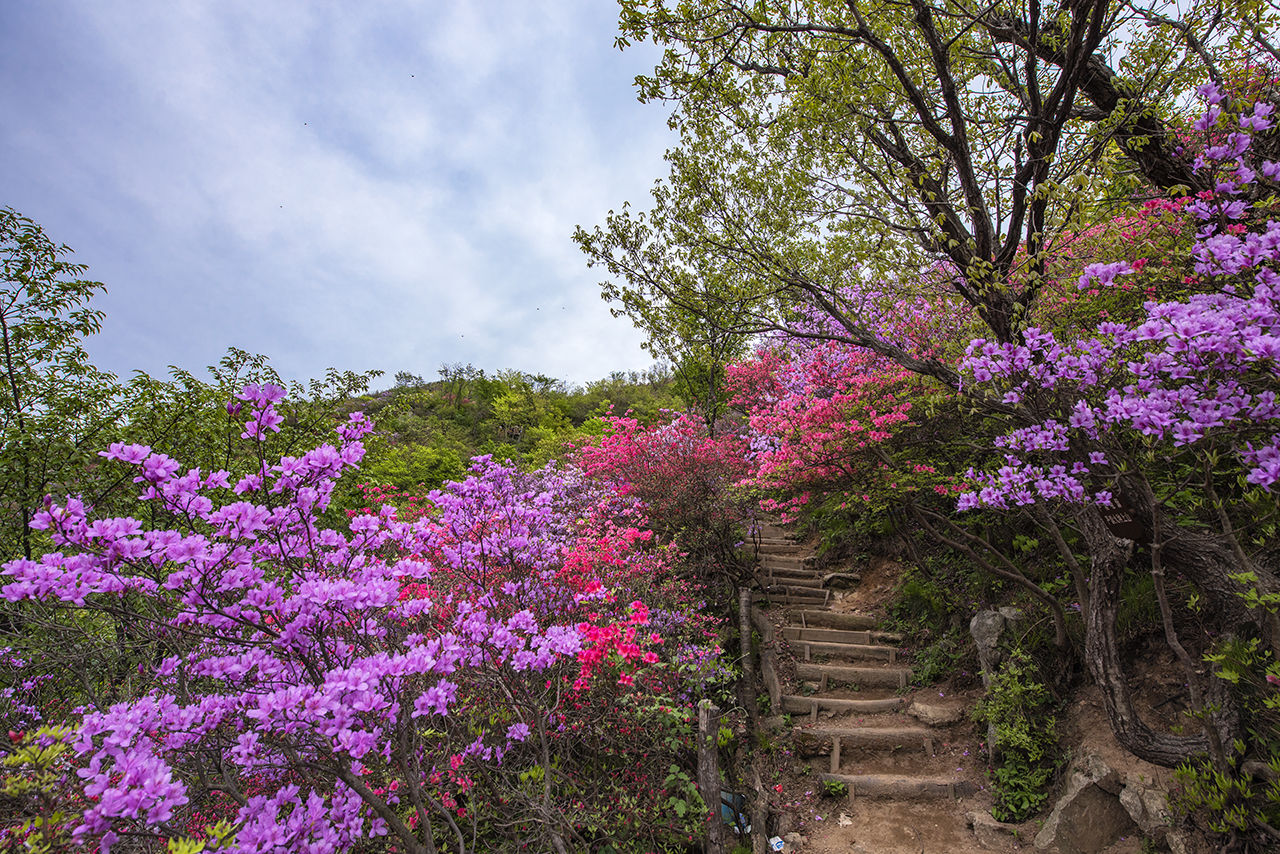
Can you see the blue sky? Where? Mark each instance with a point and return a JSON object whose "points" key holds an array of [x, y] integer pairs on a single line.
{"points": [[360, 185]]}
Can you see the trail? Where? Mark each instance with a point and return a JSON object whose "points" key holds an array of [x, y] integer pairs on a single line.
{"points": [[907, 758]]}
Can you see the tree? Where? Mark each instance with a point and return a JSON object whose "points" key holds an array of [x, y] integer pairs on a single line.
{"points": [[841, 159], [54, 404]]}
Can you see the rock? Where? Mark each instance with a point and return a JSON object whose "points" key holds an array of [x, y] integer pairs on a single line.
{"points": [[989, 832], [810, 687], [841, 580], [935, 714], [1010, 613], [794, 838], [1088, 817], [986, 627], [1148, 806]]}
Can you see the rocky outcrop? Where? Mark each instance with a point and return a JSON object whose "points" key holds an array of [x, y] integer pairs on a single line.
{"points": [[1101, 805]]}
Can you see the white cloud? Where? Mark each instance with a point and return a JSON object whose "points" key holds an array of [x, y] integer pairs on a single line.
{"points": [[381, 185]]}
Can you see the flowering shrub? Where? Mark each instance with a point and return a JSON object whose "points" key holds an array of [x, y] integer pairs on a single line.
{"points": [[1154, 413], [1190, 373], [814, 410], [683, 477], [407, 678]]}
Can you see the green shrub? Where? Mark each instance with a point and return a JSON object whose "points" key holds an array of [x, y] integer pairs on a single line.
{"points": [[835, 788], [1022, 710], [938, 660], [921, 600]]}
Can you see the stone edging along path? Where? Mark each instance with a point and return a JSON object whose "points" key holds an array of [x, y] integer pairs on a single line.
{"points": [[856, 722]]}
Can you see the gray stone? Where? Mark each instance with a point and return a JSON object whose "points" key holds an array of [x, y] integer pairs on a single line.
{"points": [[1148, 806], [990, 833], [934, 714], [1088, 816], [1011, 613], [841, 580], [794, 838], [986, 627]]}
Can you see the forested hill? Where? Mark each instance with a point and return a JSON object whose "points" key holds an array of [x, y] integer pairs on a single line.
{"points": [[427, 431]]}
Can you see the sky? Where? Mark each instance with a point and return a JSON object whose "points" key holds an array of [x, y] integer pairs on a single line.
{"points": [[359, 185]]}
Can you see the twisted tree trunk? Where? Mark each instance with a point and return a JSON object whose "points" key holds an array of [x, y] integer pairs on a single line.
{"points": [[1102, 655]]}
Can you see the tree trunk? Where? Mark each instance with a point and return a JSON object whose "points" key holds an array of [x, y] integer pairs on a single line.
{"points": [[1102, 651]]}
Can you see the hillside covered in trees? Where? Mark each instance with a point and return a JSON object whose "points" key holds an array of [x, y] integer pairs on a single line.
{"points": [[993, 292]]}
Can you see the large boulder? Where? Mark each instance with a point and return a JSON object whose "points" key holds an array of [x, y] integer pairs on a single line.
{"points": [[1088, 816]]}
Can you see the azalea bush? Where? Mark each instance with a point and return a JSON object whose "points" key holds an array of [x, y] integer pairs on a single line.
{"points": [[475, 675], [1167, 416], [685, 479]]}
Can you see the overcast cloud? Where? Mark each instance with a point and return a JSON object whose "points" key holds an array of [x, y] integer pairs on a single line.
{"points": [[350, 184]]}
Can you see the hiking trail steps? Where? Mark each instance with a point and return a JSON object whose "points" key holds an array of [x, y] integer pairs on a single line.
{"points": [[849, 715]]}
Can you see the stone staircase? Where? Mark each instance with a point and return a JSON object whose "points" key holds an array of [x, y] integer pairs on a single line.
{"points": [[849, 705]]}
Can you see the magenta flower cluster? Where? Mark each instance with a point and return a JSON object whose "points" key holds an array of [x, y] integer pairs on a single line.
{"points": [[303, 657], [1192, 370]]}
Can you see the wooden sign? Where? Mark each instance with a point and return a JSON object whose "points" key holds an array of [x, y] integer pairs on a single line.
{"points": [[1122, 524]]}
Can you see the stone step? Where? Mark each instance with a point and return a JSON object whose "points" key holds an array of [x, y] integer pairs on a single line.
{"points": [[854, 651], [787, 561], [834, 620], [819, 741], [902, 787], [789, 572], [864, 636], [797, 594], [782, 549], [808, 633], [769, 579], [878, 677], [788, 601], [812, 705]]}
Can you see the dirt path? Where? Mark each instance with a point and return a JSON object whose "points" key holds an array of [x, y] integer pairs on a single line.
{"points": [[904, 763]]}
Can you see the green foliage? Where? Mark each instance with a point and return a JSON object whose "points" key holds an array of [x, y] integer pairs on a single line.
{"points": [[921, 601], [683, 799], [1021, 788], [835, 788], [54, 404], [427, 431], [1230, 802], [36, 779], [1022, 710], [1235, 799], [413, 467], [216, 838], [940, 659]]}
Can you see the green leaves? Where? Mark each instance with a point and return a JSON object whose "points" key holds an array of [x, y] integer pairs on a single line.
{"points": [[53, 402]]}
